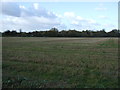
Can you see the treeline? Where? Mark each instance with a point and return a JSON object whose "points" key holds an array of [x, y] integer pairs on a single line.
{"points": [[54, 32]]}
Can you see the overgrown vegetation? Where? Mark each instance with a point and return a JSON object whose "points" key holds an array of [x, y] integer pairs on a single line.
{"points": [[60, 62]]}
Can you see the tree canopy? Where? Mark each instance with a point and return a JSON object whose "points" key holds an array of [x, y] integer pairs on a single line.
{"points": [[54, 32]]}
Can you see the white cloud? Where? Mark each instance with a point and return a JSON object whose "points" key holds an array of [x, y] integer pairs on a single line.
{"points": [[36, 5], [91, 21], [35, 17], [78, 22], [30, 18], [101, 7], [58, 15], [30, 23], [79, 18], [75, 22], [102, 17], [14, 9], [69, 14], [109, 25]]}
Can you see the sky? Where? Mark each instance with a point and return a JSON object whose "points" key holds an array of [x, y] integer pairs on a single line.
{"points": [[41, 16]]}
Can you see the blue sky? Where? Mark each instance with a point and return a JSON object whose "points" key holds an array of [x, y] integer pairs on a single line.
{"points": [[30, 16]]}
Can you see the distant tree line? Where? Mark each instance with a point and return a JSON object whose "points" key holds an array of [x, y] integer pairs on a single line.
{"points": [[54, 32]]}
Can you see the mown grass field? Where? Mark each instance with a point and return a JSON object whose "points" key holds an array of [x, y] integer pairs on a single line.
{"points": [[40, 62]]}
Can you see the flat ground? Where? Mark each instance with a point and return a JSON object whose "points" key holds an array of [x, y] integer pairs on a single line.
{"points": [[60, 62]]}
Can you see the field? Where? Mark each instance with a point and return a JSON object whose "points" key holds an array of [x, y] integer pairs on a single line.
{"points": [[41, 62]]}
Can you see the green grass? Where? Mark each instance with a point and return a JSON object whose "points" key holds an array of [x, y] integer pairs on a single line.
{"points": [[60, 62]]}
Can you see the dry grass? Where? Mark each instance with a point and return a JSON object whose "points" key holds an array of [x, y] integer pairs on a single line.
{"points": [[60, 62]]}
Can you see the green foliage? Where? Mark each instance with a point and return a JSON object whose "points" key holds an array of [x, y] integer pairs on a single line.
{"points": [[54, 32]]}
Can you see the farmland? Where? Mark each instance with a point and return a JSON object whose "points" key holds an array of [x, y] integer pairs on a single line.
{"points": [[43, 62]]}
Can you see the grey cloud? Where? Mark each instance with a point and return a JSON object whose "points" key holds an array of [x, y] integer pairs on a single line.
{"points": [[43, 12], [11, 9], [31, 11], [29, 18]]}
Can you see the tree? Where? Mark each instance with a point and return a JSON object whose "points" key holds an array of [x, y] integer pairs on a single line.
{"points": [[114, 33], [52, 32], [63, 33], [73, 33]]}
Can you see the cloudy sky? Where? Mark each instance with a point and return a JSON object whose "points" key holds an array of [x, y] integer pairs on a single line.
{"points": [[31, 16]]}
